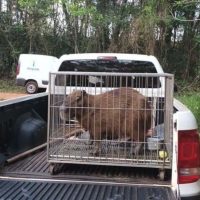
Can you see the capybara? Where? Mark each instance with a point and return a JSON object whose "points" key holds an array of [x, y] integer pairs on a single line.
{"points": [[121, 113]]}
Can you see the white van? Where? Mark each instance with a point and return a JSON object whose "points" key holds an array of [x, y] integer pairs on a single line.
{"points": [[33, 71]]}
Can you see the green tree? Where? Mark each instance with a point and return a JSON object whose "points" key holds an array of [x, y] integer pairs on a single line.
{"points": [[167, 29]]}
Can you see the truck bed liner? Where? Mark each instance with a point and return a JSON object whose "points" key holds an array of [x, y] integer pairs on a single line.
{"points": [[36, 166], [51, 191], [29, 178]]}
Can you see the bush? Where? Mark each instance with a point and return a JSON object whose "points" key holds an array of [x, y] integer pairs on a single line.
{"points": [[192, 101], [8, 85]]}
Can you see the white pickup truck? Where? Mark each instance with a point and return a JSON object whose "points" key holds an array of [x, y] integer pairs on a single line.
{"points": [[26, 170], [185, 168]]}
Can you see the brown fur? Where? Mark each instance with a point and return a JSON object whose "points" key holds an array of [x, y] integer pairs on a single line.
{"points": [[116, 114]]}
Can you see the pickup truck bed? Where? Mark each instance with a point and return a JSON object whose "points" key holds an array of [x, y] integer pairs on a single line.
{"points": [[29, 177]]}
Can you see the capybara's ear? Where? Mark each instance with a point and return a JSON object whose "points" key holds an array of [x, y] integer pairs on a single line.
{"points": [[80, 95], [83, 92]]}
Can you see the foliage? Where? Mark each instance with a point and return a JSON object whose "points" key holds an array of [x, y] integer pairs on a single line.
{"points": [[8, 85], [189, 95], [192, 101], [167, 29]]}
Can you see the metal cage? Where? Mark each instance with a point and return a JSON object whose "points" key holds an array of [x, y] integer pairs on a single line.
{"points": [[93, 130]]}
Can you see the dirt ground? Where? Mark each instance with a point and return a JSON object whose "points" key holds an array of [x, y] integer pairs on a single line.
{"points": [[5, 95]]}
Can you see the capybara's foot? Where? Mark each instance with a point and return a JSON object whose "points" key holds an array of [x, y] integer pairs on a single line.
{"points": [[90, 142], [136, 149], [96, 152]]}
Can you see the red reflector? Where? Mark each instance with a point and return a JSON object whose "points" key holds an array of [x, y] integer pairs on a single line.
{"points": [[188, 156], [188, 179]]}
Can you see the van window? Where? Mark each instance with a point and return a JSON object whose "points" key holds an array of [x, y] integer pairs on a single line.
{"points": [[117, 66]]}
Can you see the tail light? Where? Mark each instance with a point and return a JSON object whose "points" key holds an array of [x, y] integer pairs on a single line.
{"points": [[188, 156], [18, 69]]}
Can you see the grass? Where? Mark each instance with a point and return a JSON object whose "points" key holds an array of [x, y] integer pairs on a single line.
{"points": [[192, 100], [8, 85]]}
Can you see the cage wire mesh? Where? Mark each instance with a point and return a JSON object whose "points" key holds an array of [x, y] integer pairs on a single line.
{"points": [[110, 119]]}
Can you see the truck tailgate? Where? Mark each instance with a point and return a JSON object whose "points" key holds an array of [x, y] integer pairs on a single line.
{"points": [[23, 189]]}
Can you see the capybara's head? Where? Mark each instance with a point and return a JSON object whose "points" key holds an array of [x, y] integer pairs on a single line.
{"points": [[73, 101]]}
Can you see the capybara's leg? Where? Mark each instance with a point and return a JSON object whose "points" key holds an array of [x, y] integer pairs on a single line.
{"points": [[136, 148], [95, 140], [96, 151], [91, 141]]}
